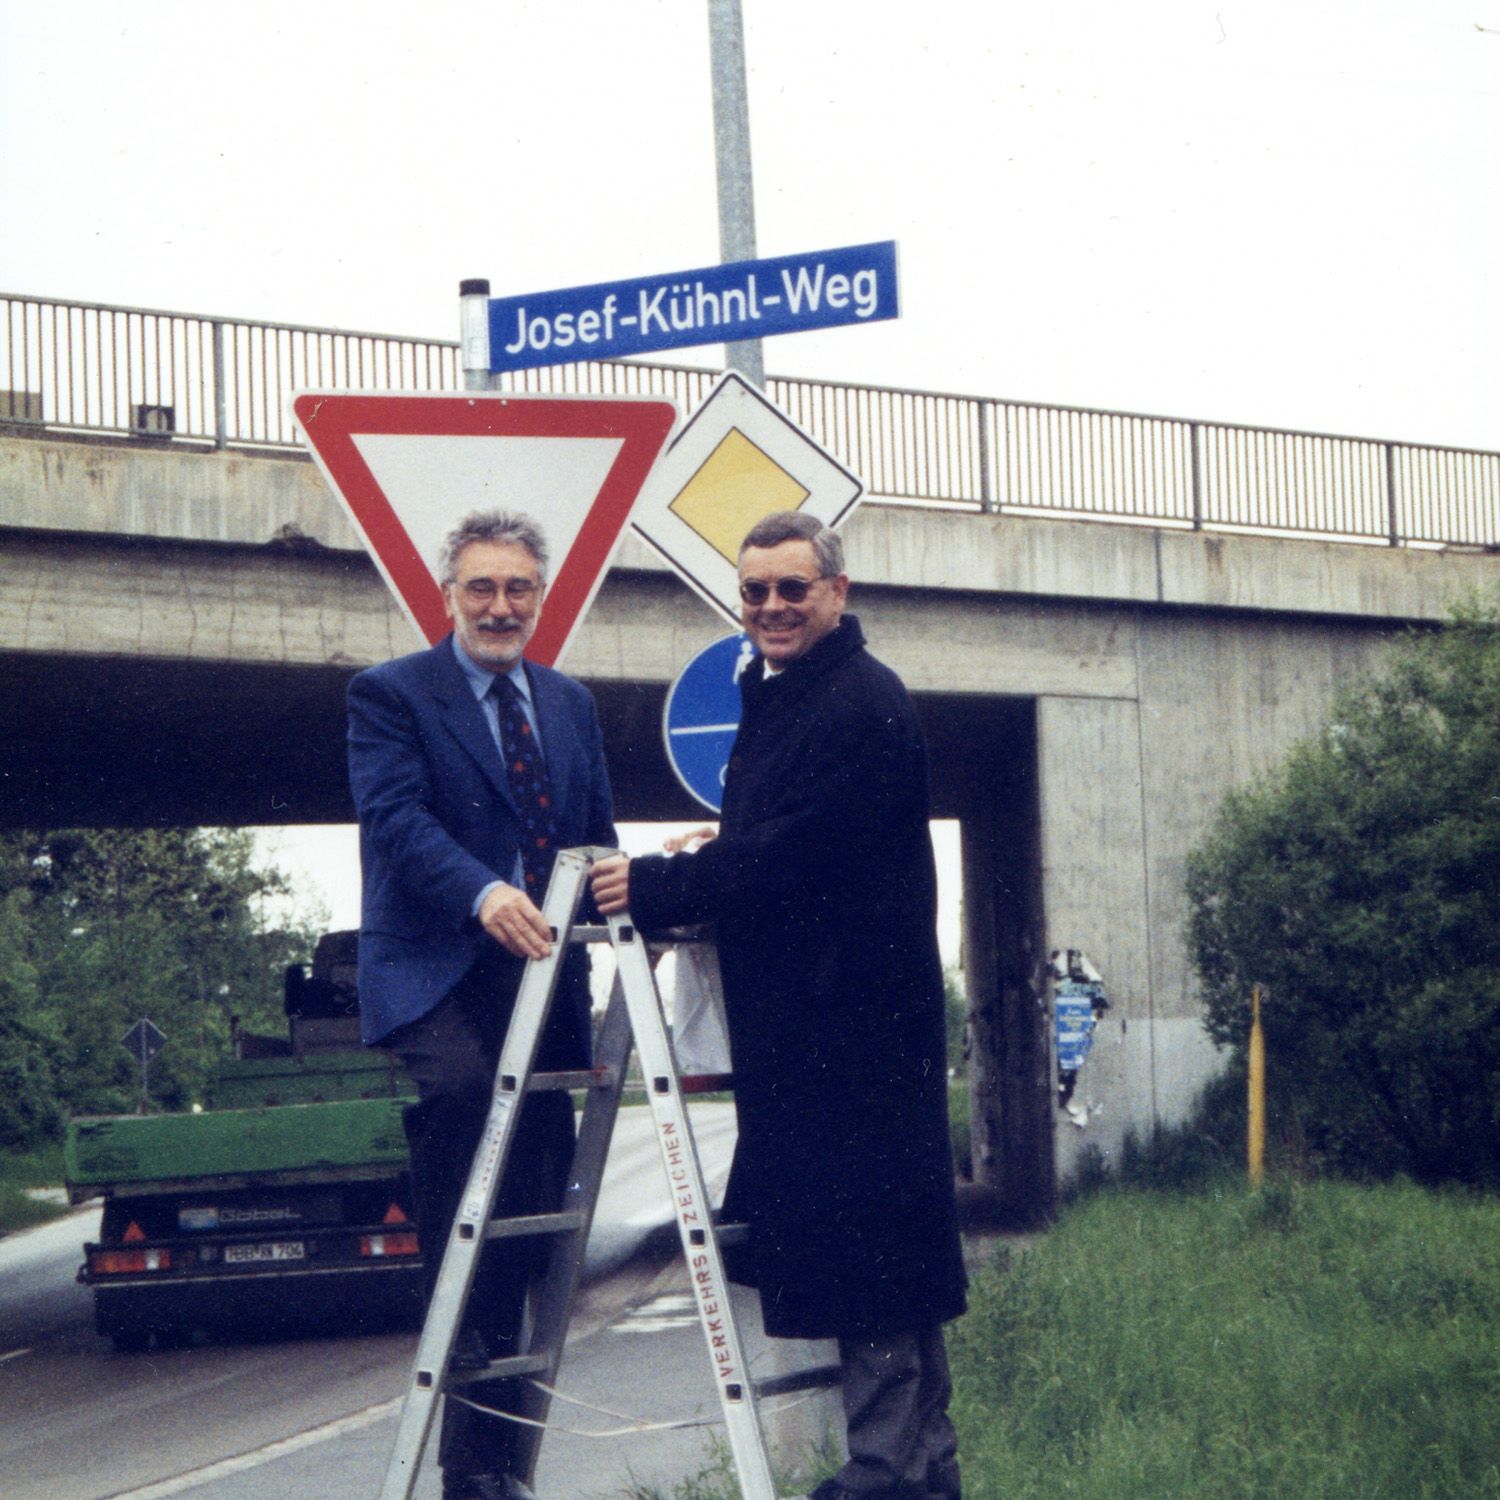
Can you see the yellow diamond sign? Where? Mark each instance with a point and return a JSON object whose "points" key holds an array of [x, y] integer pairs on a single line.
{"points": [[737, 485], [738, 460]]}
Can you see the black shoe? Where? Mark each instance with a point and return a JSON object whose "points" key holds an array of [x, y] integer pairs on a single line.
{"points": [[484, 1487], [831, 1489]]}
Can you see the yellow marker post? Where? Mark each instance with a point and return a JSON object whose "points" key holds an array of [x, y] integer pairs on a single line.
{"points": [[1256, 1134]]}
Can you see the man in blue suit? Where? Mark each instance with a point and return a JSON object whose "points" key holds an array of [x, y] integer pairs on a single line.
{"points": [[470, 768]]}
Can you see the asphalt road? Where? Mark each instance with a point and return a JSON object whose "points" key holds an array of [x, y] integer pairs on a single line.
{"points": [[316, 1417]]}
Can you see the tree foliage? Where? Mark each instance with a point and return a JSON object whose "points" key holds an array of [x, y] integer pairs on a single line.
{"points": [[101, 928], [1360, 885]]}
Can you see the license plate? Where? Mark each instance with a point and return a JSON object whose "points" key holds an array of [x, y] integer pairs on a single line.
{"points": [[238, 1255]]}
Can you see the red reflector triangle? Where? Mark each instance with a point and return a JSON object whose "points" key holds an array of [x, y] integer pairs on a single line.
{"points": [[133, 1233], [393, 1215]]}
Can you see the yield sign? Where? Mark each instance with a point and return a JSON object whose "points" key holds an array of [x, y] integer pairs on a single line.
{"points": [[408, 466]]}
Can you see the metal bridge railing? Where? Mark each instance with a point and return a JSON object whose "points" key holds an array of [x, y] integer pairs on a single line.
{"points": [[226, 381]]}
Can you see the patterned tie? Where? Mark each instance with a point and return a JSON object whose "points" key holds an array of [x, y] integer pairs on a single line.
{"points": [[529, 786]]}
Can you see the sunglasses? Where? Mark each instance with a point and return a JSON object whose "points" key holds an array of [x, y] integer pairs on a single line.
{"points": [[789, 590]]}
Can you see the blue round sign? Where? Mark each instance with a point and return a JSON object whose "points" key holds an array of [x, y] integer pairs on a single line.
{"points": [[702, 716]]}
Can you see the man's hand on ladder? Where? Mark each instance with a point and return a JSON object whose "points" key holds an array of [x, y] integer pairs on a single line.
{"points": [[510, 917]]}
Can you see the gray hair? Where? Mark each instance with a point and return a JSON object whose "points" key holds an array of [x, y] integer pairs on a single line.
{"points": [[500, 528], [797, 526]]}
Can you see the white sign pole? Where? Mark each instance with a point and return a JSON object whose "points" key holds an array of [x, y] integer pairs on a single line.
{"points": [[474, 334]]}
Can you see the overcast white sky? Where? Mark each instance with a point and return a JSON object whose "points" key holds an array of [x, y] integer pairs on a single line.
{"points": [[1280, 213]]}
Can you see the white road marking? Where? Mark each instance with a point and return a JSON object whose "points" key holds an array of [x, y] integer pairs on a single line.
{"points": [[258, 1456]]}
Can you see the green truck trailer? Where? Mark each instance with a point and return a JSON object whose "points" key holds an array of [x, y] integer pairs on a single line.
{"points": [[286, 1205]]}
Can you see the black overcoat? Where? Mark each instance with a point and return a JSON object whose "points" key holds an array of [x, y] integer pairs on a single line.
{"points": [[823, 888]]}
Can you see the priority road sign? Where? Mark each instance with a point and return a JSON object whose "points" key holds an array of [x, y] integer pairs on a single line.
{"points": [[738, 460], [702, 717], [143, 1041], [407, 466]]}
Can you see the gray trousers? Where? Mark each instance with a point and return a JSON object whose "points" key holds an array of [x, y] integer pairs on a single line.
{"points": [[902, 1445]]}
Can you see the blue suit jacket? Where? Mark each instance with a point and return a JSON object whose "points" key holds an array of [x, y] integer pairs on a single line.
{"points": [[437, 824]]}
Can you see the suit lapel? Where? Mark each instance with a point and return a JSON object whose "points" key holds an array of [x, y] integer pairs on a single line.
{"points": [[464, 719]]}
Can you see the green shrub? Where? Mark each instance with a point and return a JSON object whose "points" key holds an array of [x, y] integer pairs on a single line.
{"points": [[20, 1171], [1360, 884]]}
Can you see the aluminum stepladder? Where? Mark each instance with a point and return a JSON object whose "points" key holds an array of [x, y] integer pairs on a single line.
{"points": [[634, 1016]]}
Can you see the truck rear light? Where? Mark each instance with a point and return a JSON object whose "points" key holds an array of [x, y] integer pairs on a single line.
{"points": [[401, 1243], [395, 1214], [118, 1262]]}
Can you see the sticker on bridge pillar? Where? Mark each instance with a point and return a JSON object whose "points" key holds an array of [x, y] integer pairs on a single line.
{"points": [[702, 717], [1078, 1003], [408, 466], [736, 461]]}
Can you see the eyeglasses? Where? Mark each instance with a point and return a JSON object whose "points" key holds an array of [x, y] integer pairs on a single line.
{"points": [[519, 591], [789, 590]]}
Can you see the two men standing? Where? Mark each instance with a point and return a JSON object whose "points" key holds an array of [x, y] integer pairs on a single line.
{"points": [[821, 882]]}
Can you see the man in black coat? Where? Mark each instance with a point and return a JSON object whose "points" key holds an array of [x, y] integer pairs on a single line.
{"points": [[821, 881]]}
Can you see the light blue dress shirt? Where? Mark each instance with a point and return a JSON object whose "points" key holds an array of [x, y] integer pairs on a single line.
{"points": [[481, 680]]}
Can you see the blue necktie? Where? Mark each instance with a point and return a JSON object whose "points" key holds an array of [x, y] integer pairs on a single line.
{"points": [[529, 787]]}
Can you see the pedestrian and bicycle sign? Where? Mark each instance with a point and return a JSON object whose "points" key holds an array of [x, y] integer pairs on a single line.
{"points": [[702, 717]]}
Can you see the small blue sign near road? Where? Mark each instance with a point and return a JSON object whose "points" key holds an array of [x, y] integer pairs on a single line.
{"points": [[703, 715], [747, 299]]}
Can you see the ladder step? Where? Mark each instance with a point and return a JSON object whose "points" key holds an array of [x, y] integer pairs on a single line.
{"points": [[818, 1378], [583, 1078], [732, 1234], [515, 1364], [529, 1224]]}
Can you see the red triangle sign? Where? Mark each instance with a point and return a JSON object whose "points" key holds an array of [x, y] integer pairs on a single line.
{"points": [[408, 466]]}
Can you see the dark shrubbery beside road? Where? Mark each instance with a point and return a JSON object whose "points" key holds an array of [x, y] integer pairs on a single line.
{"points": [[1360, 885]]}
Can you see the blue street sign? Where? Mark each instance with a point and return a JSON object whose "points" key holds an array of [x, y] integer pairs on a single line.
{"points": [[702, 715], [748, 299]]}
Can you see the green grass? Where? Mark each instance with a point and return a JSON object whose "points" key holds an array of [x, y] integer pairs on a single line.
{"points": [[18, 1171], [1309, 1342], [1312, 1341]]}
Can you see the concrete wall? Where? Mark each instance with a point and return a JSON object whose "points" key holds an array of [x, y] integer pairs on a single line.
{"points": [[1128, 786], [174, 491], [146, 489]]}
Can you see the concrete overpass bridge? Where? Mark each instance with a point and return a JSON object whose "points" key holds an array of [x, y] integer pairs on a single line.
{"points": [[179, 617]]}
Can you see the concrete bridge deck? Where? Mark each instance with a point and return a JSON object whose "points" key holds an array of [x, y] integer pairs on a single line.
{"points": [[177, 629]]}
